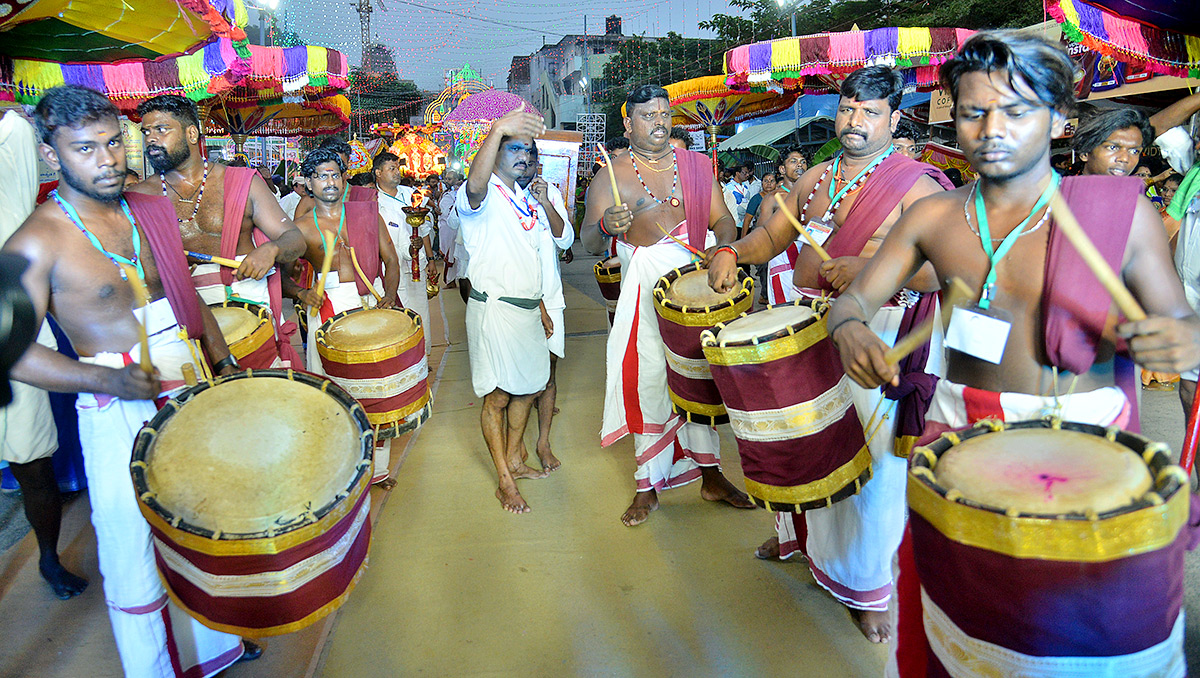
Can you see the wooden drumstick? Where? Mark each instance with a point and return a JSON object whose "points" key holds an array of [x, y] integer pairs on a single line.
{"points": [[368, 283], [612, 175], [1066, 222], [958, 293], [210, 259], [812, 242], [142, 297], [327, 239]]}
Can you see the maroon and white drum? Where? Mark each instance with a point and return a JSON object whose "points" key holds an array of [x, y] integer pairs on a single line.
{"points": [[687, 306], [1049, 548], [790, 407], [608, 277], [255, 488]]}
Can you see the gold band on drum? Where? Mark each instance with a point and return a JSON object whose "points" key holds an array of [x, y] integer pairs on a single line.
{"points": [[846, 480], [260, 335], [768, 351], [606, 274], [1068, 538], [392, 424], [372, 356], [702, 316]]}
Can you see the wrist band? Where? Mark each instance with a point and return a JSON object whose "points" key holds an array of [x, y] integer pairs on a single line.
{"points": [[730, 249], [844, 321], [227, 361], [603, 230]]}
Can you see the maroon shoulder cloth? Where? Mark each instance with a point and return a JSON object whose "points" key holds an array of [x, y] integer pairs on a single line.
{"points": [[156, 215], [884, 190], [362, 194], [1075, 306], [237, 192], [695, 185], [362, 232]]}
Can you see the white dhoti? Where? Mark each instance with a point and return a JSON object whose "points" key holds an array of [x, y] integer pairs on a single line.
{"points": [[447, 245], [557, 343], [207, 278], [154, 637], [412, 294], [27, 429], [850, 544], [507, 344], [669, 452]]}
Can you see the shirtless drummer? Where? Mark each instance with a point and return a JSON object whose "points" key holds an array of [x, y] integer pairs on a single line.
{"points": [[74, 242]]}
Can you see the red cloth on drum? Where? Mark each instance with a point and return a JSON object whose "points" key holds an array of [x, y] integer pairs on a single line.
{"points": [[695, 185], [362, 194], [158, 220], [362, 232], [1075, 306]]}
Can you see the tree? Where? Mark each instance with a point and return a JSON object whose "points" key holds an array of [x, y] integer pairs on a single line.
{"points": [[657, 61], [377, 94]]}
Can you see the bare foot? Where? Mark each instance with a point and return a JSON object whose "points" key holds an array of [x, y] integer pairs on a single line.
{"points": [[769, 550], [386, 484], [549, 461], [556, 411], [639, 510], [511, 499], [716, 487], [64, 584], [527, 472], [874, 624]]}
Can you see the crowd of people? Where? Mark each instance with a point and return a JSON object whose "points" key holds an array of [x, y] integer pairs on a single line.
{"points": [[890, 231]]}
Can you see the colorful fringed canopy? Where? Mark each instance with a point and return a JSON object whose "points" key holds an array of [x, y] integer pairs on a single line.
{"points": [[705, 102], [487, 105], [1160, 50], [307, 118], [817, 64]]}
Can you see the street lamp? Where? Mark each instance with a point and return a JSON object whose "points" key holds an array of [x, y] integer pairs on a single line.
{"points": [[784, 3]]}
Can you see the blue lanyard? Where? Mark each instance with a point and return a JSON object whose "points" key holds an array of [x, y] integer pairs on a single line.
{"points": [[985, 235], [117, 259], [836, 198]]}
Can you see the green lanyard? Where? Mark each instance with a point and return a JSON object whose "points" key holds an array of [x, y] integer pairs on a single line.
{"points": [[341, 222], [117, 259], [836, 198], [985, 235]]}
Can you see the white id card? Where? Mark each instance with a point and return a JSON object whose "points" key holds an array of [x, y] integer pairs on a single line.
{"points": [[819, 230], [977, 334]]}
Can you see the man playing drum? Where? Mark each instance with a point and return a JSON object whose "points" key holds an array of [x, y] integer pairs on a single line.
{"points": [[507, 322], [669, 190], [849, 204], [1041, 325], [362, 254], [76, 243], [222, 211]]}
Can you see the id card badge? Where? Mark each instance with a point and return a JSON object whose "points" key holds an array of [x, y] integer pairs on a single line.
{"points": [[978, 333], [819, 230]]}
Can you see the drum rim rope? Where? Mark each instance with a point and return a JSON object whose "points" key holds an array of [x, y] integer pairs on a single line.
{"points": [[607, 274], [261, 334], [373, 355], [297, 531], [699, 316], [1150, 523]]}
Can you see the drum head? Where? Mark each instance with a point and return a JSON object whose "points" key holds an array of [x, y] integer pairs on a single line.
{"points": [[1044, 472], [691, 289], [369, 329], [244, 454], [763, 323], [236, 322]]}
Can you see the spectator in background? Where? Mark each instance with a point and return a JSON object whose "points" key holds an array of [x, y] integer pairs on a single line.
{"points": [[907, 139], [131, 177], [736, 191], [680, 138], [289, 201]]}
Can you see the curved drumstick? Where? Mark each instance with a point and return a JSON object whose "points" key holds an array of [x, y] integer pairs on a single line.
{"points": [[142, 297], [920, 334], [1066, 222], [612, 176], [328, 241], [803, 231], [363, 276], [210, 259]]}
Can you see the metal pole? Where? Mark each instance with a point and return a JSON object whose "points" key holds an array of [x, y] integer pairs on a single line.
{"points": [[793, 23]]}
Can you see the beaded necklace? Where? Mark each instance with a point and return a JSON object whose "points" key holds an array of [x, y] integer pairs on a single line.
{"points": [[528, 213], [674, 201], [835, 199], [199, 194]]}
